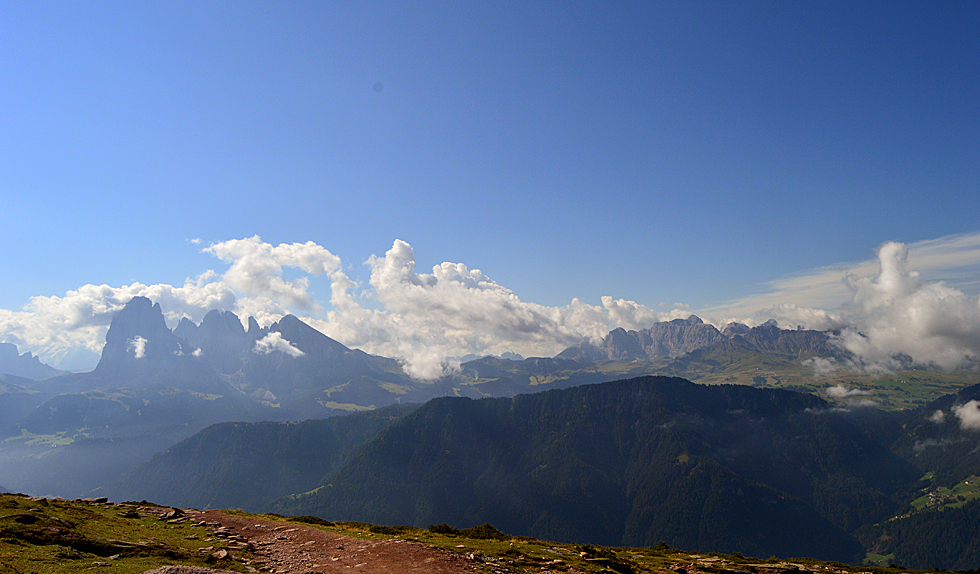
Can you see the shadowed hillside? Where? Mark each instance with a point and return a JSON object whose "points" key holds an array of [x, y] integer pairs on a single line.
{"points": [[724, 468]]}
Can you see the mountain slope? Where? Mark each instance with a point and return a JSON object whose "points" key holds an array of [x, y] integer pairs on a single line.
{"points": [[247, 465], [624, 463], [940, 529]]}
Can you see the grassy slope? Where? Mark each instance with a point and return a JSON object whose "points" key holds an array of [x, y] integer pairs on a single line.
{"points": [[81, 534], [52, 536]]}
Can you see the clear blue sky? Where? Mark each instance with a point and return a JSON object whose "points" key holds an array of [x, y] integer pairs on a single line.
{"points": [[688, 152]]}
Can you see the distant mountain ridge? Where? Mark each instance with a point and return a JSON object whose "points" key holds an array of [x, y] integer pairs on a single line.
{"points": [[671, 339], [26, 365]]}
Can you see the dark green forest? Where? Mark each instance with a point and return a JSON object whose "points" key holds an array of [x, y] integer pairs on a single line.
{"points": [[726, 468]]}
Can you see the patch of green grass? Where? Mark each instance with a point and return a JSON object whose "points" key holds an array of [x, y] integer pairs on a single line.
{"points": [[879, 559], [62, 438], [52, 536], [344, 406], [944, 497]]}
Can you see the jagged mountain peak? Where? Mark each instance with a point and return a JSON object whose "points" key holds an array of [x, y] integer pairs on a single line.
{"points": [[678, 337], [735, 328], [138, 331], [222, 321], [24, 365]]}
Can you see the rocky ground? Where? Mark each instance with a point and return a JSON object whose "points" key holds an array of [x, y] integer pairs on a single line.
{"points": [[269, 546]]}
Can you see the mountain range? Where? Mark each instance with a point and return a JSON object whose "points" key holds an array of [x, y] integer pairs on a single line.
{"points": [[221, 370], [584, 446]]}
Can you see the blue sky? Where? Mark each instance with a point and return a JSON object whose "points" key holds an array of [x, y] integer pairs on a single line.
{"points": [[693, 153]]}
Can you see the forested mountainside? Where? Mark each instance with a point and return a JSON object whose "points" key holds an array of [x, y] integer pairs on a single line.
{"points": [[728, 468]]}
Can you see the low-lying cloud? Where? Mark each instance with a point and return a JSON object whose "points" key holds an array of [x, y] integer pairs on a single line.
{"points": [[138, 346], [840, 392], [969, 415], [275, 342]]}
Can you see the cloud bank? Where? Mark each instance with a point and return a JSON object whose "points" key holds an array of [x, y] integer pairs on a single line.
{"points": [[422, 318], [882, 308], [895, 313]]}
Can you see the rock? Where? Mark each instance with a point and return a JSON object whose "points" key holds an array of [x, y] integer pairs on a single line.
{"points": [[219, 555], [172, 514]]}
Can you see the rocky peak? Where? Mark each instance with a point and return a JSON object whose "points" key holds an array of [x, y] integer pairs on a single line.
{"points": [[222, 324], [138, 331], [623, 345], [768, 337], [735, 328], [8, 352], [26, 365], [304, 337]]}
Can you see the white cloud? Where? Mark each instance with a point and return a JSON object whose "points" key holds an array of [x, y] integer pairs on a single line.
{"points": [[256, 268], [938, 417], [969, 415], [885, 309], [896, 312], [423, 317], [138, 346], [274, 342], [822, 365], [953, 260], [840, 392]]}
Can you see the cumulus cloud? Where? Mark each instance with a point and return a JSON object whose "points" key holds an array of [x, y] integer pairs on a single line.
{"points": [[969, 415], [256, 268], [938, 417], [455, 310], [896, 312], [138, 346], [892, 313], [275, 342]]}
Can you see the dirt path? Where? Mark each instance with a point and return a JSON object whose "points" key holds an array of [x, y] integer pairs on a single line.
{"points": [[277, 547]]}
